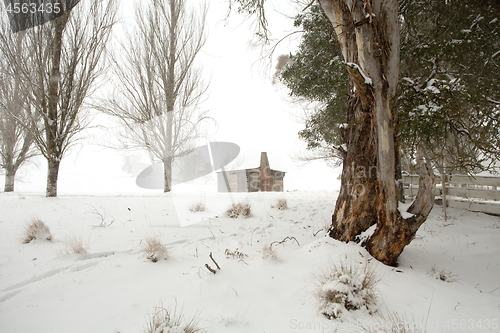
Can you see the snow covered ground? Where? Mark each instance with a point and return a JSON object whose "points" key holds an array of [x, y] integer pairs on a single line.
{"points": [[115, 288]]}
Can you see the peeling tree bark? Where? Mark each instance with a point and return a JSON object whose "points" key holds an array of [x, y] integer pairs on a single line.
{"points": [[356, 207], [368, 33]]}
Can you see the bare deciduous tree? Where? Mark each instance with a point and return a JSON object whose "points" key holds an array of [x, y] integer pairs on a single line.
{"points": [[61, 71], [16, 141], [158, 86]]}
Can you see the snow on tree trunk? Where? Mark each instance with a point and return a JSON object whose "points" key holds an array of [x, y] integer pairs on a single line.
{"points": [[368, 33], [167, 164], [167, 175], [52, 176], [9, 180], [175, 9], [53, 142]]}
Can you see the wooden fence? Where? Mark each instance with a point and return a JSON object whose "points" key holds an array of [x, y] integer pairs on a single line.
{"points": [[478, 194]]}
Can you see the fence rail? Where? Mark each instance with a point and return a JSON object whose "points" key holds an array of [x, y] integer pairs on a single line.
{"points": [[477, 193]]}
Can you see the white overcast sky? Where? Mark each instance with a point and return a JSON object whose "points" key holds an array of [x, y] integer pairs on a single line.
{"points": [[249, 109]]}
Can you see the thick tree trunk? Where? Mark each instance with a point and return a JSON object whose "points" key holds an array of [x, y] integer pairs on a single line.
{"points": [[10, 176], [169, 151], [389, 240], [53, 144], [52, 176], [356, 207], [368, 33], [167, 175]]}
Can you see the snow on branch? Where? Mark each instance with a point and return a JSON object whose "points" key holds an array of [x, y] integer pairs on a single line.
{"points": [[363, 84], [492, 100], [354, 66]]}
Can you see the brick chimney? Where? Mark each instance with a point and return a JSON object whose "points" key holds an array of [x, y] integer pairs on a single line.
{"points": [[265, 178]]}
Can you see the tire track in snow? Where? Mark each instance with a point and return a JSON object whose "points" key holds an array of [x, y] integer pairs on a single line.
{"points": [[36, 278], [70, 269]]}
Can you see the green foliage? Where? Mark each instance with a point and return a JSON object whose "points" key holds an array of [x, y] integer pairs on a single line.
{"points": [[318, 62], [450, 80], [316, 73]]}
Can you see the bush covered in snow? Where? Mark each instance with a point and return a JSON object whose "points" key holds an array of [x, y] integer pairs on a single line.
{"points": [[243, 209], [344, 287], [164, 321], [36, 229], [155, 249]]}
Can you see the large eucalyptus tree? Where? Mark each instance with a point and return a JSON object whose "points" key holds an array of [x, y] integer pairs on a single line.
{"points": [[369, 40]]}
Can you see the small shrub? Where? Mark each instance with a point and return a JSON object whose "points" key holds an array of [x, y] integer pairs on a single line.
{"points": [[233, 321], [346, 287], [102, 217], [164, 321], [281, 204], [75, 245], [235, 254], [441, 275], [197, 207], [155, 249], [36, 229], [243, 209], [396, 323], [269, 253]]}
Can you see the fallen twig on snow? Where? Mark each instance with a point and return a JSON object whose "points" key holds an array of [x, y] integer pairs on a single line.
{"points": [[284, 240], [216, 264], [210, 269]]}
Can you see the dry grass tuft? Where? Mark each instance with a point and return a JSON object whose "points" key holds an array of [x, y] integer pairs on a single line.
{"points": [[197, 207], [155, 249], [36, 229], [235, 254], [269, 253], [75, 245], [281, 204], [396, 323], [166, 321], [243, 209], [345, 287], [441, 275]]}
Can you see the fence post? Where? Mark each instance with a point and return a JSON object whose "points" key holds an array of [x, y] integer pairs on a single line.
{"points": [[443, 192]]}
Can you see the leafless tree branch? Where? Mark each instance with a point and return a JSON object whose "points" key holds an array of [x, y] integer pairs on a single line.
{"points": [[159, 86]]}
